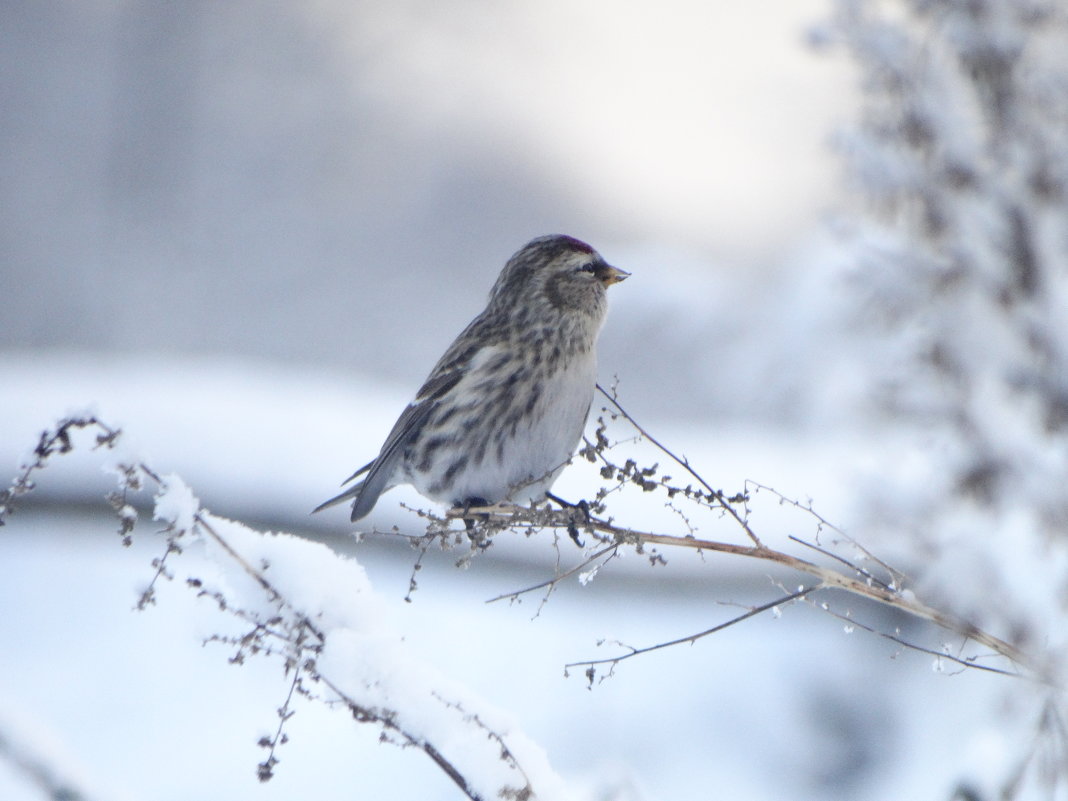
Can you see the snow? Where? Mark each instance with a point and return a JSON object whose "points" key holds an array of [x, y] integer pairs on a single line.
{"points": [[363, 658], [955, 249], [759, 688], [175, 504]]}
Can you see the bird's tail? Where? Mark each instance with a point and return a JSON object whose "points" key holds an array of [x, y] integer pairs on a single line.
{"points": [[351, 492]]}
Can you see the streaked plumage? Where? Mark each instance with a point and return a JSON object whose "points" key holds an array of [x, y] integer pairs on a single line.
{"points": [[503, 409]]}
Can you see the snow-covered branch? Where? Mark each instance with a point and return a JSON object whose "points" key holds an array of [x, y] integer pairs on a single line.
{"points": [[317, 613]]}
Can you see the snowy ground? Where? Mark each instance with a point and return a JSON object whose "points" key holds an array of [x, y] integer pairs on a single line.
{"points": [[132, 705]]}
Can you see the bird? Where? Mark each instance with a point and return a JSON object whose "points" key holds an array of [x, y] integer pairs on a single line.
{"points": [[504, 408]]}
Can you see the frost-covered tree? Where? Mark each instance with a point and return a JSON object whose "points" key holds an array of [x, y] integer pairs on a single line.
{"points": [[960, 161]]}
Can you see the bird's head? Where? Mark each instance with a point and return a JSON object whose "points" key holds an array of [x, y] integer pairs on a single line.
{"points": [[560, 272]]}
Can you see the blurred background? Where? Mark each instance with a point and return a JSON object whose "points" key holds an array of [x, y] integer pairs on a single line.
{"points": [[336, 185], [245, 231]]}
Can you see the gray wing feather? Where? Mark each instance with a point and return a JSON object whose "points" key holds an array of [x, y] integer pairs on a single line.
{"points": [[404, 431]]}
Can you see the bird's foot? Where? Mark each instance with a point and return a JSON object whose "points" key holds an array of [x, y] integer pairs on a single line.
{"points": [[478, 538], [582, 506]]}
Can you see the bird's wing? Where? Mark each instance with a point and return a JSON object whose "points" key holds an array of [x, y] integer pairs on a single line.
{"points": [[359, 472], [380, 471]]}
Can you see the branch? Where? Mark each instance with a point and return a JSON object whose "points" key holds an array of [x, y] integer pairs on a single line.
{"points": [[692, 638], [685, 464], [827, 577], [969, 662], [849, 577], [290, 631], [388, 721], [557, 578], [52, 442], [864, 572]]}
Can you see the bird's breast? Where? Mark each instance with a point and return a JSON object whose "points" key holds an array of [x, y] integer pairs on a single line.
{"points": [[511, 425]]}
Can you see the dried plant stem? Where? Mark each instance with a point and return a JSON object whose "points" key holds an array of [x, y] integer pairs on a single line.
{"points": [[389, 722], [685, 464], [828, 577], [692, 638]]}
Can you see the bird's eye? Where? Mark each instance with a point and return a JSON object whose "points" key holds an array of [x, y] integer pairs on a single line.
{"points": [[589, 267]]}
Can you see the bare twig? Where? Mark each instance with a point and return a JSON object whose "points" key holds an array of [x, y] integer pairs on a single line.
{"points": [[968, 662], [38, 769], [828, 578], [692, 638], [824, 523], [557, 578], [52, 442], [265, 770], [832, 555], [685, 463]]}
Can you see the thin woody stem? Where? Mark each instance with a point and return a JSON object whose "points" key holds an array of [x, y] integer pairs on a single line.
{"points": [[559, 577], [685, 464], [692, 638], [827, 577], [830, 578]]}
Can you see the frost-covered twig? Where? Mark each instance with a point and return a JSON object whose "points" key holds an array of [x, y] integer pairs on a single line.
{"points": [[898, 579], [327, 632], [52, 442]]}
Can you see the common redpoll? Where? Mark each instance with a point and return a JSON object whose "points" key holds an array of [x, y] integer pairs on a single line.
{"points": [[502, 411]]}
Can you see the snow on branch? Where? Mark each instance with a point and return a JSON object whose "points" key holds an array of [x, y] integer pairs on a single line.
{"points": [[316, 611]]}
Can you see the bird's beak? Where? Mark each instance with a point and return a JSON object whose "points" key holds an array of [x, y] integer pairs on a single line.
{"points": [[609, 275]]}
